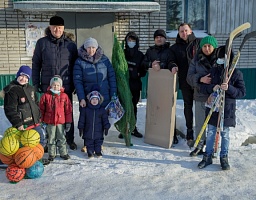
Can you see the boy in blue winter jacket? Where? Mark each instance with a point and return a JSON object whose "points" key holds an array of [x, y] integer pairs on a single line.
{"points": [[234, 89], [93, 123]]}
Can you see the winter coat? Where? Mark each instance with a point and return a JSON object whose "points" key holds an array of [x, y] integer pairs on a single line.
{"points": [[134, 59], [89, 71], [182, 52], [199, 67], [54, 57], [21, 105], [159, 53], [93, 120], [236, 89], [55, 108]]}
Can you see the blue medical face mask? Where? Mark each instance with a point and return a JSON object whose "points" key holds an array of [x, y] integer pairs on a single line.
{"points": [[131, 44], [220, 61], [55, 91]]}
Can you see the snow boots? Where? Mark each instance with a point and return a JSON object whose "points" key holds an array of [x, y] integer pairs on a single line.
{"points": [[135, 133], [224, 163], [190, 137], [207, 160]]}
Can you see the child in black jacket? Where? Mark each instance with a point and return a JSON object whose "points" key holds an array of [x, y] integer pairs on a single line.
{"points": [[93, 123], [21, 103]]}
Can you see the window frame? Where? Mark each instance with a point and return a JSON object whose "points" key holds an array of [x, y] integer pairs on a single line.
{"points": [[184, 14]]}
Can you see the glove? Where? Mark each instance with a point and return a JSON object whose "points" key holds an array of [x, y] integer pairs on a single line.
{"points": [[81, 132], [67, 127], [106, 132]]}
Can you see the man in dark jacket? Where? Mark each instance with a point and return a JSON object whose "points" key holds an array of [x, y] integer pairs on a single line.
{"points": [[134, 58], [182, 52], [158, 57], [55, 54]]}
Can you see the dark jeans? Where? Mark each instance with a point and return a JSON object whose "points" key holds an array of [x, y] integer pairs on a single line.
{"points": [[70, 134], [187, 94]]}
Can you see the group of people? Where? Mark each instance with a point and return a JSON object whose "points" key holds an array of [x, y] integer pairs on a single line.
{"points": [[200, 67], [59, 70]]}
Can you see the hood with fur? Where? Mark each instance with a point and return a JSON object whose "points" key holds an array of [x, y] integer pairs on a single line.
{"points": [[70, 36]]}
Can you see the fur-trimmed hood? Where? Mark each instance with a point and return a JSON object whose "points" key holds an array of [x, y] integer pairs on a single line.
{"points": [[7, 88], [82, 53], [67, 35]]}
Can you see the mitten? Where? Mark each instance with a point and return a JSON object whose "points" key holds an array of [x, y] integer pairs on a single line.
{"points": [[106, 132], [67, 127], [81, 132]]}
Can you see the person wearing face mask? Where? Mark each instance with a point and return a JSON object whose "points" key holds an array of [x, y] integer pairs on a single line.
{"points": [[234, 89], [199, 73], [56, 110], [134, 58], [21, 103]]}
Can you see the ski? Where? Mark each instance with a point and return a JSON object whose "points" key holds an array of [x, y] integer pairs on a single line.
{"points": [[234, 34], [231, 70]]}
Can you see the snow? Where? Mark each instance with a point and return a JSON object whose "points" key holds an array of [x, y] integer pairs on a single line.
{"points": [[145, 171]]}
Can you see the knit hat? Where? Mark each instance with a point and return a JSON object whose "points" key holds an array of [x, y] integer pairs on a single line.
{"points": [[56, 78], [91, 42], [160, 32], [57, 21], [24, 70], [94, 94], [209, 40]]}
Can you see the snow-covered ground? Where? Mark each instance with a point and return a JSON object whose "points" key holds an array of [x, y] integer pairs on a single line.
{"points": [[145, 171]]}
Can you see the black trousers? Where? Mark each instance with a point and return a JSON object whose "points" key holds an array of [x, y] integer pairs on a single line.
{"points": [[135, 100], [70, 134], [187, 94], [93, 145]]}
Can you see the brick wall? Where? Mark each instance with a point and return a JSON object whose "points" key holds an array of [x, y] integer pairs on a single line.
{"points": [[143, 24], [12, 36], [13, 41]]}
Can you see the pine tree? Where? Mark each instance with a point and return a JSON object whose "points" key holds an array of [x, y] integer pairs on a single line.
{"points": [[127, 123]]}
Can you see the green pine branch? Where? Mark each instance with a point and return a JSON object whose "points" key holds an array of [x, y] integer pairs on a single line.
{"points": [[127, 123]]}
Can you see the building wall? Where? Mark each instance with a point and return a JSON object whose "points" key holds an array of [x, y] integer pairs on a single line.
{"points": [[224, 16], [143, 24], [12, 36], [12, 31]]}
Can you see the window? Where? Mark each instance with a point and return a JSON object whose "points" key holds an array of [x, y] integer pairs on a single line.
{"points": [[193, 12]]}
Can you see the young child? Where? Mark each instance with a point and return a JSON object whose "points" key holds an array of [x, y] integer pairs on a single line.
{"points": [[56, 110], [21, 103], [234, 89], [93, 121]]}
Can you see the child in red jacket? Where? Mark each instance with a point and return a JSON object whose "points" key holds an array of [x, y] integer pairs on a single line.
{"points": [[56, 110]]}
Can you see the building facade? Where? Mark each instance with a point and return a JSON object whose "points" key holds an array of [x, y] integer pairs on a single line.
{"points": [[23, 21]]}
